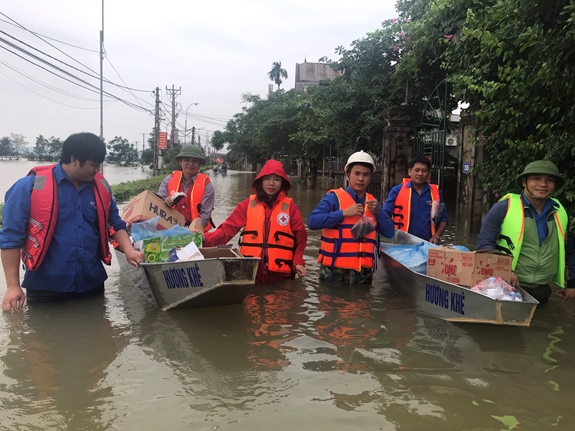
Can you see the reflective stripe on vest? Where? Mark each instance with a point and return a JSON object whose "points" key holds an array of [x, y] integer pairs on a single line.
{"points": [[44, 214], [338, 248], [401, 216], [279, 245], [511, 236], [191, 205]]}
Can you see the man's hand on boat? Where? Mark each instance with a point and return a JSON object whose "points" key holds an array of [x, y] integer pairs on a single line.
{"points": [[135, 257], [567, 294]]}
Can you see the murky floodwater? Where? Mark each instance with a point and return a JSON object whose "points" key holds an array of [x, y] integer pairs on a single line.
{"points": [[298, 355]]}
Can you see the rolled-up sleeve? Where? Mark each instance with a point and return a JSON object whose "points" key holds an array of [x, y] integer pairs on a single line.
{"points": [[16, 213], [163, 189]]}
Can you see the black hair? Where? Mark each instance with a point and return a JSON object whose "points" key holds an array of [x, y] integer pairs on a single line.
{"points": [[365, 165], [420, 159], [263, 197], [83, 146]]}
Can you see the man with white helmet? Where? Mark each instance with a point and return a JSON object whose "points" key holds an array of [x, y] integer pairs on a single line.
{"points": [[344, 255]]}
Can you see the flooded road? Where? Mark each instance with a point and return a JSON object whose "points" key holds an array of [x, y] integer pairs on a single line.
{"points": [[298, 355]]}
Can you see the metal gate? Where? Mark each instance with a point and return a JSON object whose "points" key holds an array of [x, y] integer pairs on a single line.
{"points": [[431, 132]]}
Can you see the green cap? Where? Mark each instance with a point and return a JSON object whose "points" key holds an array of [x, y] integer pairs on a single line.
{"points": [[541, 167], [193, 152]]}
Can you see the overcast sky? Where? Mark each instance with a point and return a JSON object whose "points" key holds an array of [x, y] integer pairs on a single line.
{"points": [[215, 51]]}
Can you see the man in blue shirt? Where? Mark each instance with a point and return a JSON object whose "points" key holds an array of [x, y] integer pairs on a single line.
{"points": [[344, 255], [410, 204], [533, 228], [58, 219]]}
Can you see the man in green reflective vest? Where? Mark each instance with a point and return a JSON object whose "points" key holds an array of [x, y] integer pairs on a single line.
{"points": [[533, 228]]}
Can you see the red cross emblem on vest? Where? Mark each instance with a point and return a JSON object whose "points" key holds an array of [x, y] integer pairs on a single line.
{"points": [[283, 219]]}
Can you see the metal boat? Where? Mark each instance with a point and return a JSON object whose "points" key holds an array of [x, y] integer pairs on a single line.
{"points": [[224, 277], [446, 300]]}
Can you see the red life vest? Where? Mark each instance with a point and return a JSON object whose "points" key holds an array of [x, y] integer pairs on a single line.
{"points": [[279, 244], [44, 215], [401, 216], [191, 205], [338, 248]]}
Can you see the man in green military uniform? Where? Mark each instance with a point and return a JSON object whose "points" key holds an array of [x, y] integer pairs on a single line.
{"points": [[533, 228]]}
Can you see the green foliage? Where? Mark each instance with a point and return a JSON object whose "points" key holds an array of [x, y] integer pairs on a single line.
{"points": [[121, 152], [48, 150], [514, 62], [218, 140], [277, 73], [13, 146], [125, 191]]}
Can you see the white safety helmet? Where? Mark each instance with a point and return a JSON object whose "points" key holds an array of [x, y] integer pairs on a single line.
{"points": [[360, 157]]}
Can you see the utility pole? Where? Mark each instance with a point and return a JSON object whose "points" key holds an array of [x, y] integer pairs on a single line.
{"points": [[193, 135], [143, 144], [156, 131], [102, 83], [173, 93]]}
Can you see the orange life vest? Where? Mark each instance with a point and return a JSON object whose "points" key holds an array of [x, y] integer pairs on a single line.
{"points": [[191, 205], [279, 244], [338, 248], [402, 207], [44, 215]]}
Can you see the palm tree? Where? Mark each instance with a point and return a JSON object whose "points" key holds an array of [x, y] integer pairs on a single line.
{"points": [[277, 73]]}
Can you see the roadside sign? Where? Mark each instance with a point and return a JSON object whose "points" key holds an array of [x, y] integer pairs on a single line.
{"points": [[163, 140], [466, 167]]}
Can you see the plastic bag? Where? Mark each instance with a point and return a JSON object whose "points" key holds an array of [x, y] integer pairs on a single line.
{"points": [[150, 229], [436, 212], [412, 256], [364, 226], [498, 288]]}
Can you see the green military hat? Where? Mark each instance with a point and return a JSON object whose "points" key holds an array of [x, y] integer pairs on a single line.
{"points": [[191, 151], [541, 167]]}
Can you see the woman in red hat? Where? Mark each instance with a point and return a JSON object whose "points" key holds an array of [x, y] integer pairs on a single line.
{"points": [[272, 227]]}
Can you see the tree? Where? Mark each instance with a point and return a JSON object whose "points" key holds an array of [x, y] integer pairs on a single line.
{"points": [[40, 151], [277, 73], [18, 144], [5, 147], [122, 152], [218, 140]]}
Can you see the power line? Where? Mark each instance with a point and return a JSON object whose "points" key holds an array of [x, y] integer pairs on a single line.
{"points": [[51, 38], [44, 84], [95, 76], [93, 89], [45, 97]]}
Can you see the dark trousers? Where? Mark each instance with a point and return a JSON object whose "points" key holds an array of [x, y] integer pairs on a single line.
{"points": [[34, 295], [540, 292]]}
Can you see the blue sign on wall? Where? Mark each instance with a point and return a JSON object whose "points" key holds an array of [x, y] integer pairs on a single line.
{"points": [[466, 168]]}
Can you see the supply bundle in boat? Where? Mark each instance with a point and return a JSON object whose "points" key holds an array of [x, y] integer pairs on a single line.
{"points": [[453, 302], [222, 277]]}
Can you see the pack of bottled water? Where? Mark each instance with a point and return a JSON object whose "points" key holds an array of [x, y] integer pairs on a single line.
{"points": [[498, 288]]}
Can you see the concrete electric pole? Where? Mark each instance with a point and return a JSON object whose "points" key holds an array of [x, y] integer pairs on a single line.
{"points": [[173, 93]]}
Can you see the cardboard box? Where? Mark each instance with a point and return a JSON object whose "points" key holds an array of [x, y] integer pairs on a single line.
{"points": [[148, 205], [467, 268], [158, 249]]}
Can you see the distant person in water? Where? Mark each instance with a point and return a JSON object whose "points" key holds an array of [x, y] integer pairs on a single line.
{"points": [[198, 189], [272, 227]]}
